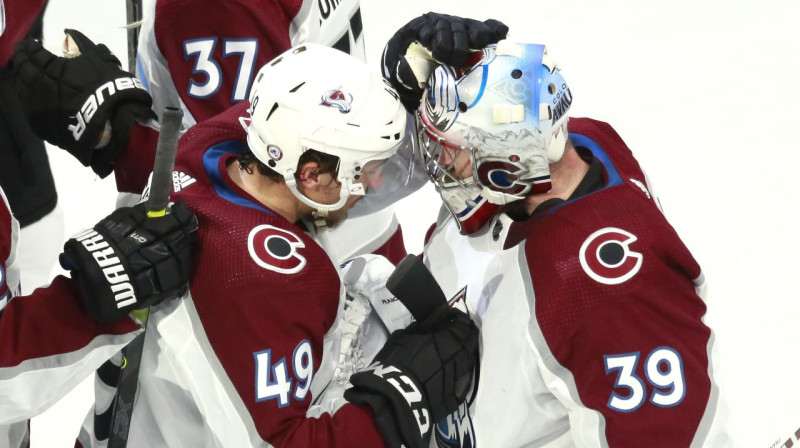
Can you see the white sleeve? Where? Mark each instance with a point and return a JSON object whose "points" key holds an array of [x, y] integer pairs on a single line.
{"points": [[152, 69], [31, 387], [337, 26]]}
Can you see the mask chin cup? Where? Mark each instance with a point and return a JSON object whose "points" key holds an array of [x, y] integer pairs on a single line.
{"points": [[469, 208]]}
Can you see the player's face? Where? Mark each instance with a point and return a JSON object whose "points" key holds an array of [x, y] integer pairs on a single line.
{"points": [[327, 189], [456, 162], [370, 175], [328, 193]]}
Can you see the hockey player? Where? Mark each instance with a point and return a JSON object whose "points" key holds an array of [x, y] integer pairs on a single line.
{"points": [[258, 335], [203, 54], [82, 78], [552, 239]]}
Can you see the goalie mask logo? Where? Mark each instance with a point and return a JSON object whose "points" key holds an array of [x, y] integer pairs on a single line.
{"points": [[276, 249], [607, 258]]}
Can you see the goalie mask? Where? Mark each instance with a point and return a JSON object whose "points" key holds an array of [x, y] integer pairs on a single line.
{"points": [[316, 97], [489, 132]]}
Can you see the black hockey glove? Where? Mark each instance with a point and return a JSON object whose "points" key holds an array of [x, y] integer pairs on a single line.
{"points": [[129, 261], [69, 101], [448, 40], [420, 376]]}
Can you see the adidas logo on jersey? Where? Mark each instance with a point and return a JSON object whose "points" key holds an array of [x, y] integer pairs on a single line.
{"points": [[181, 180]]}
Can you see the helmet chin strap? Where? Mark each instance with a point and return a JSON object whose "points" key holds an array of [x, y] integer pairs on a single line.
{"points": [[321, 211]]}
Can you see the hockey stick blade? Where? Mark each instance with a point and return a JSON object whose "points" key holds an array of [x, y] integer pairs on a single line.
{"points": [[414, 286]]}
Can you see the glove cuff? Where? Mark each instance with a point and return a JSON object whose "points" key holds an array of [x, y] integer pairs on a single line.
{"points": [[401, 397]]}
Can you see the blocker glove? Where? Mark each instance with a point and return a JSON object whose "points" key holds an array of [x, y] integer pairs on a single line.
{"points": [[432, 39], [130, 261], [69, 101], [420, 376]]}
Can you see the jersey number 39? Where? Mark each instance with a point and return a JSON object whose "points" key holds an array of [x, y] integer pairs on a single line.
{"points": [[663, 369]]}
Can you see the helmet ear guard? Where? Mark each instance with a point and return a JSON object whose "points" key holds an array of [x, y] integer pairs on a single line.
{"points": [[509, 112], [316, 97]]}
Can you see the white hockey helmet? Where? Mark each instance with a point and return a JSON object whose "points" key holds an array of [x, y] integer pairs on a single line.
{"points": [[508, 114], [316, 97]]}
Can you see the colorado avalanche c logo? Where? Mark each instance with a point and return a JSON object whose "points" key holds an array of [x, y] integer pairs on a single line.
{"points": [[276, 249], [607, 258], [504, 177], [338, 99]]}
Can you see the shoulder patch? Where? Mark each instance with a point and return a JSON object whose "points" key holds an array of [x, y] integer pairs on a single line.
{"points": [[607, 258], [276, 249]]}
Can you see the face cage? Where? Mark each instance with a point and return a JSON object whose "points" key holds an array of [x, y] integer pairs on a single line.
{"points": [[431, 147]]}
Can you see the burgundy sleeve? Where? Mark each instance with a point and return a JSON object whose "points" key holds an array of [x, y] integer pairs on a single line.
{"points": [[50, 322], [135, 162], [20, 15], [394, 249]]}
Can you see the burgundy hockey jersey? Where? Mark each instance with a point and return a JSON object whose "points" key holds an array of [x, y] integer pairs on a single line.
{"points": [[244, 357], [201, 55], [591, 316]]}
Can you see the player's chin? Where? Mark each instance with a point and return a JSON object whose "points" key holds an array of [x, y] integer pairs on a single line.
{"points": [[336, 217]]}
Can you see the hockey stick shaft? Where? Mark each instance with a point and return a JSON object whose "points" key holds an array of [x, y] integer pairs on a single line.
{"points": [[156, 206], [133, 9]]}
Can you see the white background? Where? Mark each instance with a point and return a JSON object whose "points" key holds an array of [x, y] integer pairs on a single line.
{"points": [[704, 92]]}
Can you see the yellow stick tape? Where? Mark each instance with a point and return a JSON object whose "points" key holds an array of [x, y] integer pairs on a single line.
{"points": [[157, 213]]}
